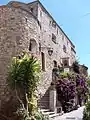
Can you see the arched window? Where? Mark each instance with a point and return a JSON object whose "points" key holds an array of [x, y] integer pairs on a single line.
{"points": [[33, 46], [32, 10], [55, 63], [43, 61]]}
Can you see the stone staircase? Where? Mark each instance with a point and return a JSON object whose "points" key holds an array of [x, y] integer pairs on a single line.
{"points": [[50, 114], [43, 102]]}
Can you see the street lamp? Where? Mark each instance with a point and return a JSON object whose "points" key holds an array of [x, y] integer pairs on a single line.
{"points": [[50, 51]]}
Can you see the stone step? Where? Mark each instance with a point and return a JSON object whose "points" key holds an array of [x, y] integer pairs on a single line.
{"points": [[45, 101], [48, 113], [43, 107], [44, 110], [44, 98], [54, 115]]}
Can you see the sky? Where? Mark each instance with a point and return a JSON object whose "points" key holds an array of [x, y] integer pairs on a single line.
{"points": [[73, 16]]}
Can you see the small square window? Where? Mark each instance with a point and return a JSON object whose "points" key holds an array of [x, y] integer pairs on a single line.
{"points": [[53, 24]]}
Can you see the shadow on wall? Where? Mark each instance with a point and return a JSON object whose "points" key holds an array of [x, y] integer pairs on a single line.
{"points": [[8, 109]]}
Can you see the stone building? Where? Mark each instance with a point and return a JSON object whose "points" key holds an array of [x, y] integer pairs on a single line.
{"points": [[83, 70], [30, 27]]}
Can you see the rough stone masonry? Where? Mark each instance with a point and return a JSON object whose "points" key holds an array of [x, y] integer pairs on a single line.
{"points": [[21, 23]]}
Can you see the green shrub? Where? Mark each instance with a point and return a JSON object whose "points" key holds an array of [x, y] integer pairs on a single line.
{"points": [[40, 116], [86, 113], [23, 78]]}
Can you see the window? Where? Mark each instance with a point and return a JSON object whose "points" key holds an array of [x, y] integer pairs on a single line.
{"points": [[12, 18], [43, 61], [55, 63], [26, 19], [50, 22], [33, 46], [32, 10], [53, 38], [53, 24], [64, 48], [65, 63], [40, 47], [62, 37], [67, 42], [30, 46], [41, 13], [57, 31]]}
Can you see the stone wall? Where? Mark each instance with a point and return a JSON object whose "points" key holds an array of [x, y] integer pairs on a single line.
{"points": [[47, 28], [46, 42], [83, 70], [17, 27]]}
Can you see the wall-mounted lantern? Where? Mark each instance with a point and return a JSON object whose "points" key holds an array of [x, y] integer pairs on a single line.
{"points": [[50, 51]]}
